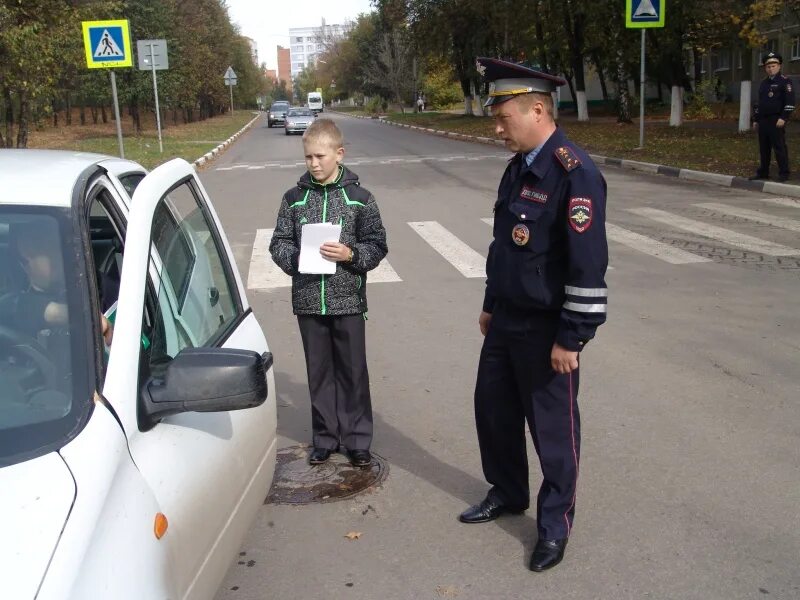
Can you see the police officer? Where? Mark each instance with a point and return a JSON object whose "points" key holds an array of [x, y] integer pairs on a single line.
{"points": [[775, 106], [545, 296]]}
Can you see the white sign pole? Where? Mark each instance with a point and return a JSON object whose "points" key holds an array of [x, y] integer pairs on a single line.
{"points": [[155, 93], [641, 99], [116, 112], [230, 85]]}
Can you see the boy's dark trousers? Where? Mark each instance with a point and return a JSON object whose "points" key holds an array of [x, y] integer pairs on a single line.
{"points": [[338, 381]]}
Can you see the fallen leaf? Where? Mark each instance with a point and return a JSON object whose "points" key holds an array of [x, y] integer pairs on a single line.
{"points": [[353, 535], [447, 591]]}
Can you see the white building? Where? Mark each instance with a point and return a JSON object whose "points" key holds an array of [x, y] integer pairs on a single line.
{"points": [[306, 43], [253, 50]]}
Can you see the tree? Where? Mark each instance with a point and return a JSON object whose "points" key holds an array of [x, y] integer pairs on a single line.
{"points": [[390, 66]]}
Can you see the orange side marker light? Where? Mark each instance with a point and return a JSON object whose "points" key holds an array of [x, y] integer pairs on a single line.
{"points": [[160, 525]]}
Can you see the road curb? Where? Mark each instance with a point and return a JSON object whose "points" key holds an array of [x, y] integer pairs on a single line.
{"points": [[209, 156], [729, 181]]}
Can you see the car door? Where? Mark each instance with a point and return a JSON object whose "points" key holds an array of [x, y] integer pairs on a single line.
{"points": [[209, 471]]}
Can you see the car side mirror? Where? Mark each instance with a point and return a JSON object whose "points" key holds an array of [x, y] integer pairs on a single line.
{"points": [[205, 380]]}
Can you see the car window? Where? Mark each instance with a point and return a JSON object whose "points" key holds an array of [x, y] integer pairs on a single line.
{"points": [[44, 372], [197, 301], [300, 112], [130, 181]]}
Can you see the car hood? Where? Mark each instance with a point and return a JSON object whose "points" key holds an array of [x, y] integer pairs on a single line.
{"points": [[35, 502]]}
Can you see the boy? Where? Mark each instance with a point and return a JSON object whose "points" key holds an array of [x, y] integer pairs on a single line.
{"points": [[331, 309]]}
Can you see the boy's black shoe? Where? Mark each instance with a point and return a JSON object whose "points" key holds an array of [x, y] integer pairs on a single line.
{"points": [[547, 554], [783, 178], [319, 456], [360, 458], [758, 176]]}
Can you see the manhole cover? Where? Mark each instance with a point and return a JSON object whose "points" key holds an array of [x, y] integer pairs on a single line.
{"points": [[297, 482]]}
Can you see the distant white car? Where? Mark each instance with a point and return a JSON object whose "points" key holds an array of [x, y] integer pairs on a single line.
{"points": [[314, 102], [131, 471]]}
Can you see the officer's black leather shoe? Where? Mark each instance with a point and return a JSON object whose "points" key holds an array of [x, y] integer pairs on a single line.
{"points": [[319, 456], [783, 178], [547, 554], [488, 510], [360, 458], [757, 176]]}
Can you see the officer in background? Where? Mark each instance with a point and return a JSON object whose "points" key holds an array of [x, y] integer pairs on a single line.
{"points": [[775, 106], [545, 296]]}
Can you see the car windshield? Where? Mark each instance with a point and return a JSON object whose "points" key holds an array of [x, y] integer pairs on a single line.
{"points": [[300, 112], [276, 107], [43, 348]]}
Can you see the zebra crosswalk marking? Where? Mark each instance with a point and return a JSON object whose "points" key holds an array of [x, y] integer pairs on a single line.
{"points": [[790, 202], [264, 274], [753, 215], [726, 236], [468, 262], [660, 250]]}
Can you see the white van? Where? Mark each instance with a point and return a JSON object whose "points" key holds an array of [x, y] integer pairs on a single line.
{"points": [[314, 102]]}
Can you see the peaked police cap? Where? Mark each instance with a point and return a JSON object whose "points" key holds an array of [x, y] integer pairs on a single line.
{"points": [[512, 79]]}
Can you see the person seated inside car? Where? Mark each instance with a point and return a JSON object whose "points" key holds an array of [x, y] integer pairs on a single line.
{"points": [[39, 305]]}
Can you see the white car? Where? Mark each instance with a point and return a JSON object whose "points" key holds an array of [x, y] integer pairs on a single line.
{"points": [[126, 471]]}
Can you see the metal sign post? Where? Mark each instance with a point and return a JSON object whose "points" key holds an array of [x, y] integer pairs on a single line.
{"points": [[230, 81], [107, 45], [153, 57], [643, 14]]}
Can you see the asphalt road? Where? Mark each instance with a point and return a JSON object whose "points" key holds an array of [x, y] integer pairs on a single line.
{"points": [[690, 470]]}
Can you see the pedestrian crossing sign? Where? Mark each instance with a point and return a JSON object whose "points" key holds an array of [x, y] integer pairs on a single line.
{"points": [[640, 14], [107, 44]]}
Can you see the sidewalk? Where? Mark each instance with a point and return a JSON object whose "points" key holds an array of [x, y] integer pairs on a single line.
{"points": [[729, 181]]}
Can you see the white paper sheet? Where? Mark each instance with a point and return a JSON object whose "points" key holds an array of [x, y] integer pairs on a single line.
{"points": [[312, 236]]}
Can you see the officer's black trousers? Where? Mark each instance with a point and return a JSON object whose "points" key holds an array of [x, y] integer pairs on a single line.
{"points": [[771, 136], [338, 381], [516, 383]]}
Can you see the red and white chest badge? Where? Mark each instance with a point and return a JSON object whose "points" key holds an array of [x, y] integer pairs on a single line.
{"points": [[520, 234], [580, 214]]}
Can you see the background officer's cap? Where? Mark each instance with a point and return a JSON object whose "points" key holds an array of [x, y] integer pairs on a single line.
{"points": [[771, 56], [511, 79]]}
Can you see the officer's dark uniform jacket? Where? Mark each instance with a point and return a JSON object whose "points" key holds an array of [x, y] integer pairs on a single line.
{"points": [[344, 202], [549, 253], [775, 99]]}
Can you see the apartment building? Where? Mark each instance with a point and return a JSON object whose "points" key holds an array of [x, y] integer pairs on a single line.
{"points": [[306, 43]]}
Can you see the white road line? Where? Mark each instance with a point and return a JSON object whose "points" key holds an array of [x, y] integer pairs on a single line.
{"points": [[264, 274], [753, 215], [383, 273], [660, 250], [468, 262], [726, 236], [790, 202], [381, 160]]}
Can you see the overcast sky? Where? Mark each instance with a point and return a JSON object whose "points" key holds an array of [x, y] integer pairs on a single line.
{"points": [[268, 22]]}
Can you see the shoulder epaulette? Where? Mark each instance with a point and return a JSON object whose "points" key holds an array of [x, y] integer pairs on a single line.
{"points": [[567, 158]]}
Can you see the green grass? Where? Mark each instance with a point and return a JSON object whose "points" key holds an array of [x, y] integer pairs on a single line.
{"points": [[189, 141], [713, 146]]}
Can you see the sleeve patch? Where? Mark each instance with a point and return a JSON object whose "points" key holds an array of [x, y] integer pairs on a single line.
{"points": [[566, 156], [580, 214], [788, 87]]}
